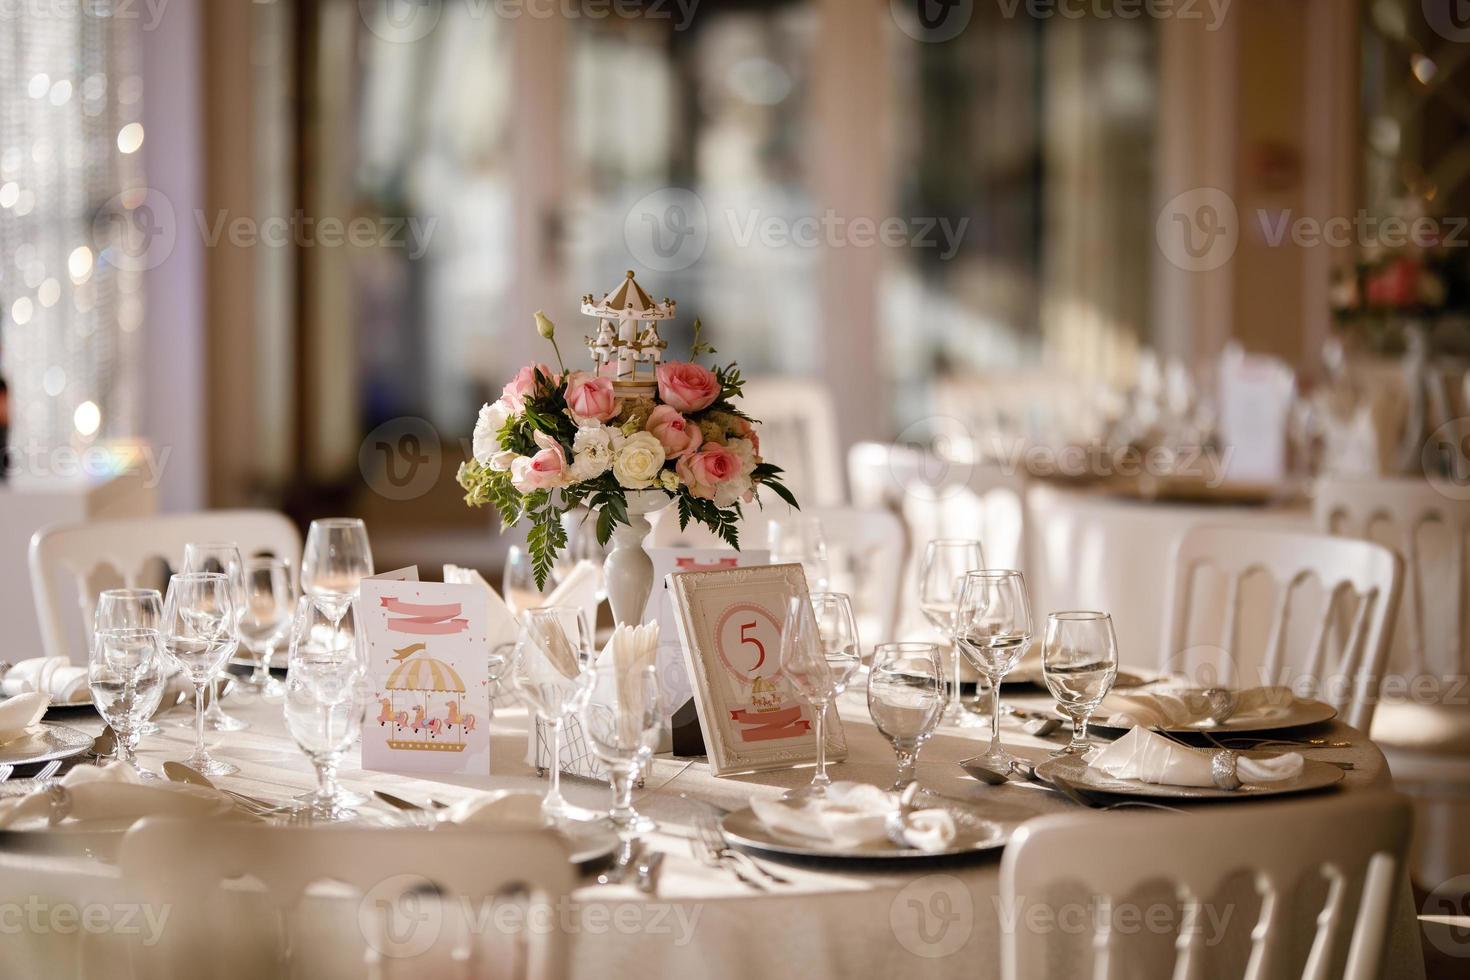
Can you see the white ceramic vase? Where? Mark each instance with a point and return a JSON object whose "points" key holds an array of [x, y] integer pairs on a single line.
{"points": [[628, 571]]}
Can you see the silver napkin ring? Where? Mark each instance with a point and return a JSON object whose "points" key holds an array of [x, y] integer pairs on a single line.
{"points": [[1222, 769], [1222, 702]]}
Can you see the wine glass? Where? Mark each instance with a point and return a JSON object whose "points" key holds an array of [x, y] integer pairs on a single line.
{"points": [[518, 585], [941, 577], [324, 727], [549, 670], [905, 699], [621, 720], [200, 632], [798, 539], [270, 602], [1079, 659], [334, 562], [131, 609], [819, 655], [992, 626], [327, 658], [219, 556], [126, 674]]}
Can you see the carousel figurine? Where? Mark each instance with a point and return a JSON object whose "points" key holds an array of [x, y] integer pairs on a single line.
{"points": [[628, 345]]}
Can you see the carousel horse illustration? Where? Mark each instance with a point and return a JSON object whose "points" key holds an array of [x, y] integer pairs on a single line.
{"points": [[465, 722]]}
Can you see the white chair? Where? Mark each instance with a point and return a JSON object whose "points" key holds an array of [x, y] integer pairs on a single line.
{"points": [[1289, 561], [87, 557], [1107, 897], [799, 434], [411, 892]]}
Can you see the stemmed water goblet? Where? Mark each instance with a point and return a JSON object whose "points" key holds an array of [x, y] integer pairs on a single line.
{"points": [[223, 557], [992, 626], [132, 609], [906, 699], [941, 578], [336, 559], [819, 655], [270, 603], [621, 721], [1079, 660], [799, 539], [550, 671], [200, 633], [126, 674], [324, 702]]}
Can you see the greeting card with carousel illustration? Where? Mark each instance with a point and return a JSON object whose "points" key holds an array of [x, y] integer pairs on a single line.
{"points": [[428, 667]]}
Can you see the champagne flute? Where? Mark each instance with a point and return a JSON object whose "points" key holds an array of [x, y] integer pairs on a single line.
{"points": [[125, 672], [1079, 659], [906, 699], [798, 539], [549, 670], [621, 720], [993, 625], [200, 633], [819, 655], [270, 603], [336, 559], [941, 577], [131, 609], [219, 556]]}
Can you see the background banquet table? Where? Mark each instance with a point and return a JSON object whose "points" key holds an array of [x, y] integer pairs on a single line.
{"points": [[941, 920]]}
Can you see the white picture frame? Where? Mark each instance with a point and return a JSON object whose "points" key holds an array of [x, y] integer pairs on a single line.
{"points": [[730, 624]]}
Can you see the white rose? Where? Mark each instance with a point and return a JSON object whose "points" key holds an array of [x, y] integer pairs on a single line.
{"points": [[592, 452], [732, 490], [745, 449], [669, 480], [486, 445], [638, 462]]}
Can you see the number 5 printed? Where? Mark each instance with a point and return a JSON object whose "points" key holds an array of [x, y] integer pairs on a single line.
{"points": [[745, 637]]}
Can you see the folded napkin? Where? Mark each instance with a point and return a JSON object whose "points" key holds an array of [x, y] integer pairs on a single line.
{"points": [[1185, 707], [497, 811], [1152, 758], [53, 676], [20, 713], [501, 625], [579, 588], [114, 793], [850, 816], [631, 650]]}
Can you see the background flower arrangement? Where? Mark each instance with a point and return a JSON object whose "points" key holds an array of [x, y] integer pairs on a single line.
{"points": [[558, 439]]}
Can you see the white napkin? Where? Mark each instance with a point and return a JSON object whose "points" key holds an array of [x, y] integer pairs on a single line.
{"points": [[852, 815], [579, 589], [501, 625], [1185, 707], [19, 713], [629, 651], [53, 676], [497, 811], [115, 793], [1152, 758]]}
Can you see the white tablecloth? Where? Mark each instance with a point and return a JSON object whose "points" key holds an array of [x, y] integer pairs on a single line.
{"points": [[703, 923]]}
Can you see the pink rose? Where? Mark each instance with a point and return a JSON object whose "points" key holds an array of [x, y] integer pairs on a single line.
{"points": [[687, 387], [747, 431], [523, 386], [590, 397], [673, 431], [704, 471], [547, 470]]}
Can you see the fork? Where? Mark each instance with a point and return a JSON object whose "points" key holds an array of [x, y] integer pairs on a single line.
{"points": [[709, 848], [48, 770], [708, 822], [6, 771]]}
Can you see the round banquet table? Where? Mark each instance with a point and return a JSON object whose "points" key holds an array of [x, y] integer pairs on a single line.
{"points": [[830, 922]]}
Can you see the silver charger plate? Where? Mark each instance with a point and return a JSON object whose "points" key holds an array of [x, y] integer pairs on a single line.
{"points": [[1299, 714], [52, 741], [974, 835], [1314, 776]]}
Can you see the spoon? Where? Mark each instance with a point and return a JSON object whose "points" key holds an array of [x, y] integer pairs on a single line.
{"points": [[984, 773], [104, 746]]}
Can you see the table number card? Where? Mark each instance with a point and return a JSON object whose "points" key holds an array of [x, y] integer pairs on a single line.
{"points": [[730, 622], [428, 672]]}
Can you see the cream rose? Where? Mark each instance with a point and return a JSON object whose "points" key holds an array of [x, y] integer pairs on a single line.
{"points": [[639, 459], [592, 452], [486, 444]]}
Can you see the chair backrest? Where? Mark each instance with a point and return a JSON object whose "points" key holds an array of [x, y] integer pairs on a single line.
{"points": [[1305, 887], [1358, 572], [192, 867], [799, 434], [1433, 634], [87, 557]]}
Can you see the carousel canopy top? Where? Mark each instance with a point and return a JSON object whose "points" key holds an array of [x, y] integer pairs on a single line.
{"points": [[424, 674], [628, 301]]}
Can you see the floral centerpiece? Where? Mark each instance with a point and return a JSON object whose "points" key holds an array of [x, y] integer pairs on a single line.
{"points": [[636, 424]]}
